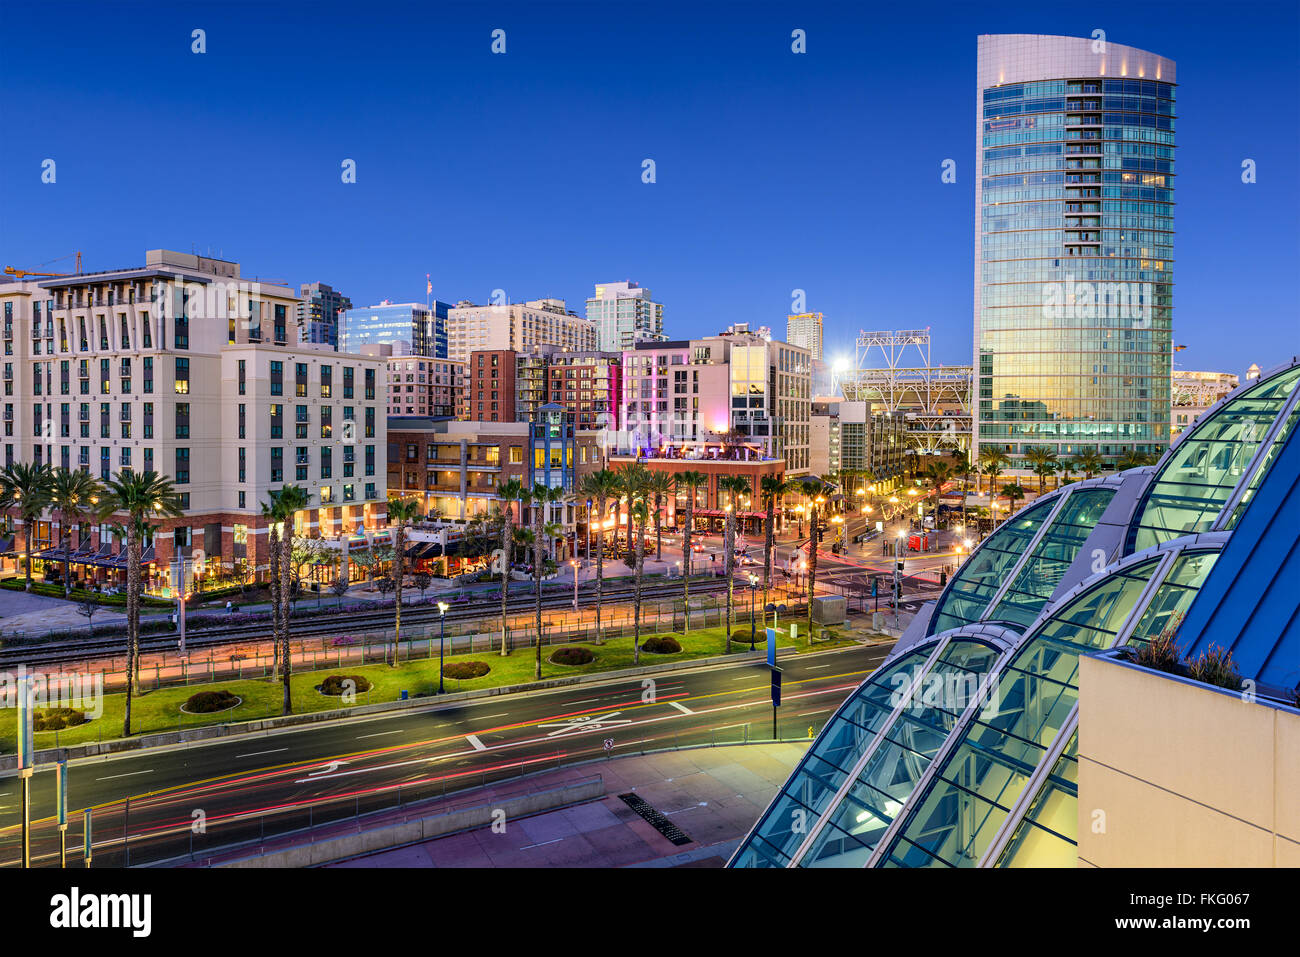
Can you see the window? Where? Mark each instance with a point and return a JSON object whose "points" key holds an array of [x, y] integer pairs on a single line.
{"points": [[277, 378], [280, 334], [347, 384], [326, 381], [370, 460], [148, 375], [370, 421], [182, 420], [277, 421], [243, 464], [277, 465], [300, 379], [326, 462], [370, 384], [182, 376], [243, 375], [326, 421], [182, 466]]}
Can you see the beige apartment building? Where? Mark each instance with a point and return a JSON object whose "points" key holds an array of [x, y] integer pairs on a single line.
{"points": [[521, 327], [423, 385], [183, 368]]}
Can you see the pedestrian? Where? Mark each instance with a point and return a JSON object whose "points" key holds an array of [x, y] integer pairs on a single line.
{"points": [[229, 607]]}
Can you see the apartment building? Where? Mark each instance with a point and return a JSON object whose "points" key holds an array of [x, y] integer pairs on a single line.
{"points": [[522, 327], [182, 368], [738, 387], [588, 386], [422, 385], [491, 386], [624, 314], [407, 326], [318, 311]]}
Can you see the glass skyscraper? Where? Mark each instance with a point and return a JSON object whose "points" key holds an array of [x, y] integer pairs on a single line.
{"points": [[422, 329], [1074, 246]]}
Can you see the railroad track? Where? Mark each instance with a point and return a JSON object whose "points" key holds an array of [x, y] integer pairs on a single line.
{"points": [[209, 638]]}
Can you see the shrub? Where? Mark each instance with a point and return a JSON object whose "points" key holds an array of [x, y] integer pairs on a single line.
{"points": [[207, 702], [661, 646], [572, 656], [1215, 666], [334, 684], [56, 719], [466, 669]]}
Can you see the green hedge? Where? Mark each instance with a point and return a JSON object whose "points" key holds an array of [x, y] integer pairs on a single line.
{"points": [[51, 590]]}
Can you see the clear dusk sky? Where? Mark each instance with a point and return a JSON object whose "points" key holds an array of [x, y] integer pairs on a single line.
{"points": [[522, 171]]}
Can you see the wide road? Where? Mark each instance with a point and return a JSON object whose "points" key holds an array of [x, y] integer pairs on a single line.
{"points": [[245, 787]]}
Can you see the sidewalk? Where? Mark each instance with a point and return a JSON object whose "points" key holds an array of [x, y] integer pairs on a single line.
{"points": [[713, 795]]}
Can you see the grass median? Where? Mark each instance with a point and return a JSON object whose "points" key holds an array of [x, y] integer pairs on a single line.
{"points": [[159, 711]]}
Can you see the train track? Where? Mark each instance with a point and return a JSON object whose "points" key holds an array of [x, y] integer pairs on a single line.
{"points": [[210, 638]]}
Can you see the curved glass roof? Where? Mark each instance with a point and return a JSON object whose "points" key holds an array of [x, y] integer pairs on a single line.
{"points": [[1199, 475]]}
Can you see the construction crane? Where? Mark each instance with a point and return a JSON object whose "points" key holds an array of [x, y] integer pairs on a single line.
{"points": [[20, 273]]}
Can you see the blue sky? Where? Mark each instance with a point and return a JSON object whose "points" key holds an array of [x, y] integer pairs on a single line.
{"points": [[775, 171]]}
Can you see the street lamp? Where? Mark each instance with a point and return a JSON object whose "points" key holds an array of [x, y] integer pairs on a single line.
{"points": [[588, 529], [442, 634], [753, 584], [838, 521], [574, 564]]}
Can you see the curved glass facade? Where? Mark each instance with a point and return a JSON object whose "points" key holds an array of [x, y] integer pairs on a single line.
{"points": [[1075, 206], [1197, 478]]}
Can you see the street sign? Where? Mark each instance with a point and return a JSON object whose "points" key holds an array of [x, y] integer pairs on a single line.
{"points": [[86, 842], [61, 792], [26, 751], [771, 646], [776, 687]]}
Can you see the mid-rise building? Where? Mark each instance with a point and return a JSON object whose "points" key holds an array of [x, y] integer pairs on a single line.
{"points": [[805, 331], [824, 437], [588, 386], [624, 314], [1192, 393], [422, 385], [181, 368], [491, 386], [421, 329], [738, 387], [1074, 227], [522, 327], [318, 312]]}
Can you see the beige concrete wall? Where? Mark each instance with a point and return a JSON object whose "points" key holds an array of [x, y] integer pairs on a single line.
{"points": [[1173, 774]]}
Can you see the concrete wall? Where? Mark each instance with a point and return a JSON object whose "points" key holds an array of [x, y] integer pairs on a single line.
{"points": [[1173, 773]]}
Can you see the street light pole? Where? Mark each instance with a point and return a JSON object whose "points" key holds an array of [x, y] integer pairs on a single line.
{"points": [[753, 583], [442, 634], [574, 563]]}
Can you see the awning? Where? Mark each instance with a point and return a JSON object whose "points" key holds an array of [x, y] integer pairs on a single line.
{"points": [[419, 551], [6, 546], [720, 513]]}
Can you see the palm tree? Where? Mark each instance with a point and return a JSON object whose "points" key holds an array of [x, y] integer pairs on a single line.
{"points": [[992, 462], [26, 488], [512, 490], [599, 486], [771, 487], [812, 489], [1088, 462], [1042, 462], [735, 486], [140, 496], [961, 466], [540, 498], [660, 485], [291, 500], [401, 512], [1132, 459], [1013, 493], [637, 511], [73, 494], [690, 482], [271, 512]]}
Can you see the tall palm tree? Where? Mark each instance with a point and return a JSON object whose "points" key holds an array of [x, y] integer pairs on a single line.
{"points": [[660, 485], [638, 511], [992, 462], [26, 489], [771, 487], [599, 486], [1088, 462], [1132, 459], [735, 486], [812, 490], [291, 500], [1012, 493], [271, 512], [139, 496], [961, 466], [540, 497], [401, 512], [74, 494], [512, 490], [690, 482], [1042, 462]]}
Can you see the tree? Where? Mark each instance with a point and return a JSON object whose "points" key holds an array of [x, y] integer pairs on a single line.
{"points": [[1042, 462], [690, 482], [401, 512], [26, 489], [512, 490], [812, 490], [599, 487], [74, 494], [961, 466], [271, 512], [87, 606], [1012, 493], [734, 486], [771, 487], [540, 497], [634, 484], [339, 586], [992, 462], [422, 581], [660, 485], [1088, 462], [1133, 459], [138, 496], [291, 500]]}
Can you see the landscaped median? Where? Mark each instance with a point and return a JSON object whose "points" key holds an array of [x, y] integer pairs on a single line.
{"points": [[161, 711]]}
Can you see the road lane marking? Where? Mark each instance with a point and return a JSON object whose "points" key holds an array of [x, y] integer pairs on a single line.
{"points": [[478, 745], [528, 847], [503, 714], [815, 667], [253, 754], [127, 775], [680, 707], [380, 734]]}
